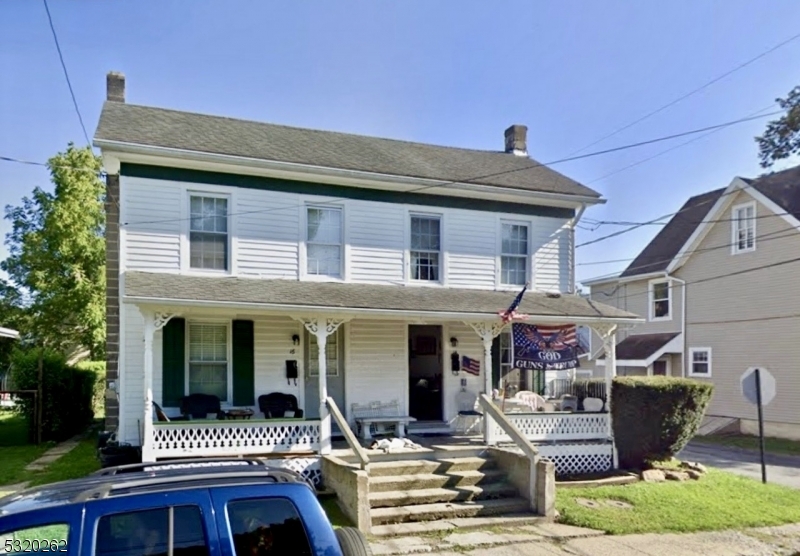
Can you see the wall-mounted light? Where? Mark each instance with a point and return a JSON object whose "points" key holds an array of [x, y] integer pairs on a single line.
{"points": [[454, 342], [296, 339]]}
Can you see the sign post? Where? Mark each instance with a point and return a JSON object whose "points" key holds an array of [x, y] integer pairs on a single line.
{"points": [[758, 388]]}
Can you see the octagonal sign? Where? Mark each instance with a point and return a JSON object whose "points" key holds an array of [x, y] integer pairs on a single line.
{"points": [[748, 381]]}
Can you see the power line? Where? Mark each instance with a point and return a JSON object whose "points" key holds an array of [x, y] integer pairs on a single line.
{"points": [[695, 222], [689, 94], [66, 73], [755, 319]]}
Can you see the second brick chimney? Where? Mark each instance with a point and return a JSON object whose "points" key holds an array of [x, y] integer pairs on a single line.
{"points": [[115, 86], [517, 140]]}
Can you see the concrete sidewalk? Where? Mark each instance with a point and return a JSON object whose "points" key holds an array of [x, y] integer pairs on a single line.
{"points": [[548, 539], [781, 469]]}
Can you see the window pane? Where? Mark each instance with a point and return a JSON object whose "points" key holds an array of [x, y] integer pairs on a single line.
{"points": [[208, 250], [513, 270], [661, 290], [208, 360], [325, 225], [425, 266], [267, 527], [331, 355], [209, 378], [35, 539], [425, 233], [661, 308], [514, 239], [208, 236], [323, 260], [147, 532]]}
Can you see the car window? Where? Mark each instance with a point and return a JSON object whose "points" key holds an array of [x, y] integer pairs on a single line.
{"points": [[267, 527], [46, 538], [146, 533]]}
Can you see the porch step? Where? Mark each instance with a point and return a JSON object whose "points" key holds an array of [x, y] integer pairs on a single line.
{"points": [[427, 496], [433, 512], [430, 480], [424, 467]]}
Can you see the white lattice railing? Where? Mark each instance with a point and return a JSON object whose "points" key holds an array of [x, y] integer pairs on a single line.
{"points": [[231, 438], [543, 427], [578, 459]]}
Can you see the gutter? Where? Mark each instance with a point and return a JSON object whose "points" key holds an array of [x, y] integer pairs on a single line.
{"points": [[683, 320]]}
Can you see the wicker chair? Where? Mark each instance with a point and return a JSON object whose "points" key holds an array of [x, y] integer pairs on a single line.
{"points": [[277, 404]]}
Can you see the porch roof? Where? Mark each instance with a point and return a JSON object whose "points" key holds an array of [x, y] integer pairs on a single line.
{"points": [[309, 296]]}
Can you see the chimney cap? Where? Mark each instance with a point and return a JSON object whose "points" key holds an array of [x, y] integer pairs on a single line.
{"points": [[516, 137], [115, 86]]}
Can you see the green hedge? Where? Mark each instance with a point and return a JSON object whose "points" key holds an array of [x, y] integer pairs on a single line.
{"points": [[98, 396], [654, 417], [67, 393]]}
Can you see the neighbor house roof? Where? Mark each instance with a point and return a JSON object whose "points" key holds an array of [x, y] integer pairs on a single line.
{"points": [[640, 350], [185, 131], [295, 295]]}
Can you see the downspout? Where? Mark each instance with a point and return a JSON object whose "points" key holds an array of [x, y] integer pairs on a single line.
{"points": [[572, 225], [683, 319]]}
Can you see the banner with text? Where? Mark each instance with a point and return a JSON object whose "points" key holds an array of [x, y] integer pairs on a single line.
{"points": [[547, 348]]}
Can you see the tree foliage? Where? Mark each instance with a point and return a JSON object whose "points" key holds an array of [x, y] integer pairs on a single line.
{"points": [[782, 137], [57, 255]]}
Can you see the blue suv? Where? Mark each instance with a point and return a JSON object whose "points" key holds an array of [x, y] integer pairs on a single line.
{"points": [[209, 507]]}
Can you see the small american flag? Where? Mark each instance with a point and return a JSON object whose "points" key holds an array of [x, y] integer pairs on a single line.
{"points": [[472, 366], [511, 313]]}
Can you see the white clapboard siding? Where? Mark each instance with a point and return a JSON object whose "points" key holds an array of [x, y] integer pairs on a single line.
{"points": [[273, 345], [151, 220], [268, 233], [132, 375], [552, 255], [471, 240], [377, 363], [376, 233], [469, 344]]}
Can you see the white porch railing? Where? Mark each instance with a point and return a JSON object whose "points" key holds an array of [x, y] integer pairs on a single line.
{"points": [[227, 438], [546, 427]]}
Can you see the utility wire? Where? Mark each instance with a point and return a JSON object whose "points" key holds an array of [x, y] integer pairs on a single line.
{"points": [[66, 73], [689, 94]]}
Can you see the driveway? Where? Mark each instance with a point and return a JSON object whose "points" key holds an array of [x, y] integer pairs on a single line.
{"points": [[781, 469]]}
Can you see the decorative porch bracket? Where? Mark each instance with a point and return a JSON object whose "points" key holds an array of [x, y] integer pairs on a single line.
{"points": [[487, 331], [153, 322], [321, 328], [608, 332]]}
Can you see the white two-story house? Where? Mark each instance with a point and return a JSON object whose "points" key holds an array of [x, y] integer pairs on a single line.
{"points": [[247, 258]]}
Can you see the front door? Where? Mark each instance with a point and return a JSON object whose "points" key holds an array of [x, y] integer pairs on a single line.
{"points": [[425, 372], [334, 355], [660, 367]]}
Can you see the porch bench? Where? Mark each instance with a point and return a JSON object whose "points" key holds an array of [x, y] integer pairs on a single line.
{"points": [[379, 413]]}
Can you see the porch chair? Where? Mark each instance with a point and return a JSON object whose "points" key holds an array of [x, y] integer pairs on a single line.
{"points": [[162, 417], [467, 414], [569, 403], [593, 405], [278, 405], [198, 406]]}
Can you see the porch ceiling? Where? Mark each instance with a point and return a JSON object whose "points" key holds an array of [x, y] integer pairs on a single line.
{"points": [[309, 296]]}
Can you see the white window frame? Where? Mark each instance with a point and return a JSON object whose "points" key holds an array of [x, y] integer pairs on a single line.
{"points": [[501, 254], [652, 301], [735, 250], [186, 241], [692, 351], [228, 355], [342, 247], [442, 259]]}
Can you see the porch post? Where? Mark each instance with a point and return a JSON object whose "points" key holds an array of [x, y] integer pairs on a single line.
{"points": [[321, 328], [152, 322], [487, 331], [609, 335]]}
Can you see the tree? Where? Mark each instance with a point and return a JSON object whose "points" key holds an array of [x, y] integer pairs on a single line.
{"points": [[57, 255], [782, 137]]}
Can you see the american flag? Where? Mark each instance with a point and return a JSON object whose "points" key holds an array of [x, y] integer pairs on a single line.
{"points": [[511, 313], [544, 337], [472, 366]]}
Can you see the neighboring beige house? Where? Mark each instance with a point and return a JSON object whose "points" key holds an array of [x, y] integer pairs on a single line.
{"points": [[729, 260]]}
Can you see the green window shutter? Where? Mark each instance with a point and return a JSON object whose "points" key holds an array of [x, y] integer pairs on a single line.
{"points": [[244, 364], [173, 366]]}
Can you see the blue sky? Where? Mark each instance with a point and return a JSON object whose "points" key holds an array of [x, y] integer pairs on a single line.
{"points": [[447, 72]]}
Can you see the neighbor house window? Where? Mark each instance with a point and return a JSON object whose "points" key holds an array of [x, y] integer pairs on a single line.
{"points": [[208, 359], [660, 300], [700, 361], [426, 245], [324, 242], [744, 227], [331, 355], [514, 254], [208, 232]]}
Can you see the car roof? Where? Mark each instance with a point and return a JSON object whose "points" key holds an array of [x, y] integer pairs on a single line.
{"points": [[149, 478]]}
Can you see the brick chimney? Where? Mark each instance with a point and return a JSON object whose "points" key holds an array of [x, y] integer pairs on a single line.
{"points": [[517, 140], [115, 86]]}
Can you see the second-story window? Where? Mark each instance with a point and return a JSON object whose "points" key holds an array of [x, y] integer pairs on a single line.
{"points": [[208, 232], [744, 228], [660, 300], [324, 242], [426, 247], [514, 254]]}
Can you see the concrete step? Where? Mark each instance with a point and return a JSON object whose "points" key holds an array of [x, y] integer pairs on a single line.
{"points": [[432, 512], [422, 528], [399, 468], [424, 496], [431, 480]]}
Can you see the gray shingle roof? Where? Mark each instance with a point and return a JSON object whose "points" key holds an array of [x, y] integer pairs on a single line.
{"points": [[642, 346], [157, 127], [357, 296]]}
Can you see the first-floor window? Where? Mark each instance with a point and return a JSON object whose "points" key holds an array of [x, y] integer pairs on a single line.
{"points": [[208, 359], [700, 361], [331, 355]]}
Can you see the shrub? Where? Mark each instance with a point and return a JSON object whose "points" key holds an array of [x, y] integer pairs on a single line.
{"points": [[99, 393], [654, 417], [67, 393]]}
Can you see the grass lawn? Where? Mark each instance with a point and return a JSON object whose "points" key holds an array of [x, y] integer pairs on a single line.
{"points": [[771, 445], [719, 500], [13, 429], [334, 512]]}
